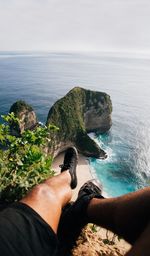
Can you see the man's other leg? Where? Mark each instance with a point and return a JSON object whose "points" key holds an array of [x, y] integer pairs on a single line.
{"points": [[126, 215]]}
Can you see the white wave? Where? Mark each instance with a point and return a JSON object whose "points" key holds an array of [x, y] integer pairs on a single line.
{"points": [[91, 135], [4, 56], [108, 150]]}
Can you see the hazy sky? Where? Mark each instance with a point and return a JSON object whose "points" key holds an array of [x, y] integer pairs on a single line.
{"points": [[122, 25]]}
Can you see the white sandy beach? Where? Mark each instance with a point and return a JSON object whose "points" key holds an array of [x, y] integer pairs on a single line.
{"points": [[84, 174]]}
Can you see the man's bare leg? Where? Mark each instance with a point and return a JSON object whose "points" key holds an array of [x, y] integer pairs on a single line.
{"points": [[49, 197], [127, 215]]}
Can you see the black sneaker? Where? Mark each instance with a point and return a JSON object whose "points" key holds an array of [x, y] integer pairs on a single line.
{"points": [[70, 163], [93, 188], [74, 216]]}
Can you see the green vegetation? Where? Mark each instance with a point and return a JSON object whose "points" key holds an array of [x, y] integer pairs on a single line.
{"points": [[19, 106], [23, 160], [68, 114], [93, 227]]}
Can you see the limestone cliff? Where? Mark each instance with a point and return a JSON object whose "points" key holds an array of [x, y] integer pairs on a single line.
{"points": [[26, 115], [79, 112]]}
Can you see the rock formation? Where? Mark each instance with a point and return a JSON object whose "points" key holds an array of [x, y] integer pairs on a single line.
{"points": [[26, 115], [79, 112]]}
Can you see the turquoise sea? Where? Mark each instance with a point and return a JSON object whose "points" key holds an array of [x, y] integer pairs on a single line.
{"points": [[42, 78]]}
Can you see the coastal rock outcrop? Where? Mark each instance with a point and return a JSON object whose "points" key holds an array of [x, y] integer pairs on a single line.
{"points": [[26, 115], [79, 112]]}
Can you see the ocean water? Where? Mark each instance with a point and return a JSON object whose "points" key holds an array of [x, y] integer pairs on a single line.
{"points": [[42, 78]]}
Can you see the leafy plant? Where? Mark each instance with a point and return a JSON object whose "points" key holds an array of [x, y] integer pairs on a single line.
{"points": [[24, 161], [93, 228]]}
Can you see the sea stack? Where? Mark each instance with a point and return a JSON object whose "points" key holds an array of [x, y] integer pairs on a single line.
{"points": [[26, 115], [79, 112]]}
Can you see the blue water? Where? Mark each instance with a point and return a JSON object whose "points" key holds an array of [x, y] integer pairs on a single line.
{"points": [[42, 78]]}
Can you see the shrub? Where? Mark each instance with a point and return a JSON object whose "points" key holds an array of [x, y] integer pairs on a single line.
{"points": [[23, 160]]}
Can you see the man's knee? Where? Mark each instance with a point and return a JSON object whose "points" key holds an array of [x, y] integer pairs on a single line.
{"points": [[42, 191]]}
